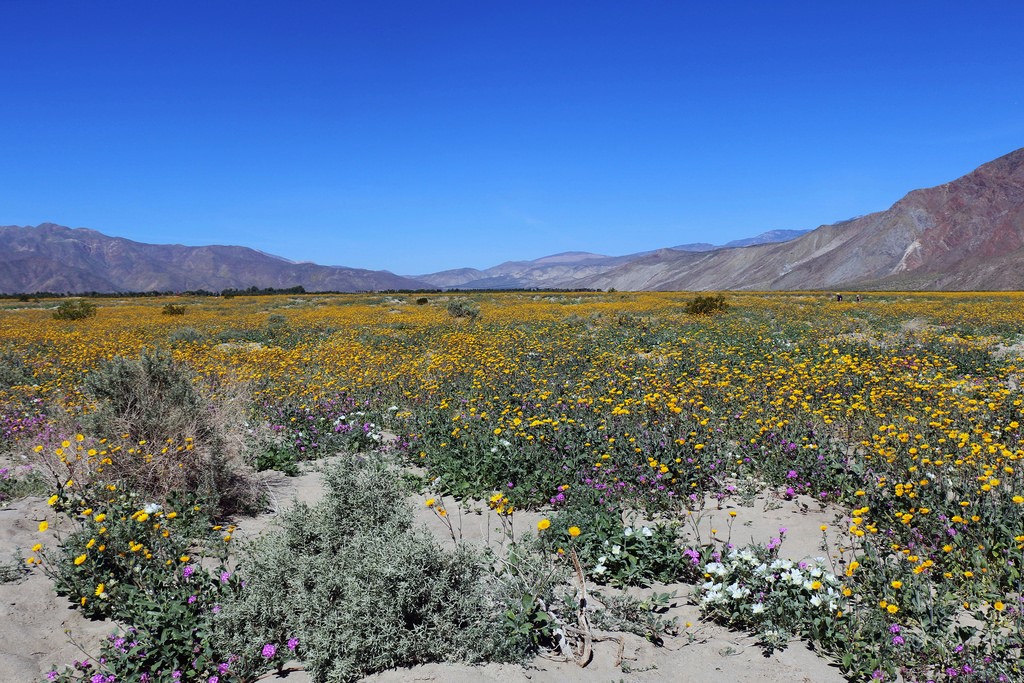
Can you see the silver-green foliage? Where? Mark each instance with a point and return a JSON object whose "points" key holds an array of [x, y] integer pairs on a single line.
{"points": [[363, 588]]}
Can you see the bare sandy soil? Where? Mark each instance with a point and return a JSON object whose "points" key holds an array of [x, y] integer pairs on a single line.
{"points": [[38, 629]]}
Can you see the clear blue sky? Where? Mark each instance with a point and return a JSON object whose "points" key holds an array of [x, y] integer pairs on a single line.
{"points": [[419, 136]]}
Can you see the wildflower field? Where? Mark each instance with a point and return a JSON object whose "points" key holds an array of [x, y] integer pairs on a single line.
{"points": [[618, 420]]}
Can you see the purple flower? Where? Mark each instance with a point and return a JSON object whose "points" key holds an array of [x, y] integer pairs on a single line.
{"points": [[293, 643], [191, 599], [895, 628], [213, 679], [224, 576], [897, 640], [188, 571], [269, 651], [51, 675]]}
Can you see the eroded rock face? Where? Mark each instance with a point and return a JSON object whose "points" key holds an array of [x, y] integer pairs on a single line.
{"points": [[966, 234]]}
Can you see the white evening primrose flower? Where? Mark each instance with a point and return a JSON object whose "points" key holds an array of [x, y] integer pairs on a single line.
{"points": [[738, 592], [715, 568]]}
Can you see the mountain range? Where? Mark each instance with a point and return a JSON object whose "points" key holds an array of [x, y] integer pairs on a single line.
{"points": [[967, 234]]}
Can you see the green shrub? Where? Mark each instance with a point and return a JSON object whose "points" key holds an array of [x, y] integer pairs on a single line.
{"points": [[171, 309], [463, 308], [75, 309], [706, 305], [362, 588], [422, 301]]}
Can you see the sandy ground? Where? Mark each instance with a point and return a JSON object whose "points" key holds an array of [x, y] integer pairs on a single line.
{"points": [[37, 627]]}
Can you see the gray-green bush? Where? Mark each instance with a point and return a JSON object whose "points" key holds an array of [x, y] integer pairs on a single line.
{"points": [[13, 370], [363, 589]]}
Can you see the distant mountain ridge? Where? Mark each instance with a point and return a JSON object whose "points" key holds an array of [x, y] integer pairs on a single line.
{"points": [[967, 234], [764, 238], [54, 258], [569, 269]]}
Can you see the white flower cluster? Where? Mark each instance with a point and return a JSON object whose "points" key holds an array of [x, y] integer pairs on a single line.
{"points": [[743, 577]]}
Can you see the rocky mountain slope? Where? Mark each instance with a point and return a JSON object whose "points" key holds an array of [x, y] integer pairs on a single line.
{"points": [[570, 269], [967, 234], [53, 258]]}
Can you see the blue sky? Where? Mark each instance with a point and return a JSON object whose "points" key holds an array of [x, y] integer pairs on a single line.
{"points": [[420, 136]]}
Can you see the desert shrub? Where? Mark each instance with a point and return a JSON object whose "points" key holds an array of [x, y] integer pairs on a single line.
{"points": [[75, 309], [463, 308], [13, 370], [150, 398], [154, 401], [422, 301], [232, 334], [361, 587], [706, 305], [171, 309], [185, 335]]}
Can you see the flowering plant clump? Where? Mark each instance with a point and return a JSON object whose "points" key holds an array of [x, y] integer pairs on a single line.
{"points": [[315, 429], [145, 565], [753, 588]]}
